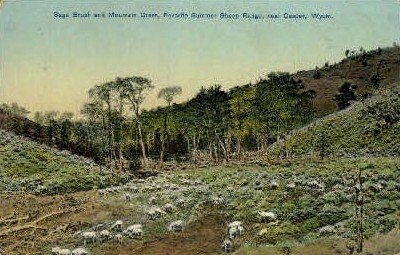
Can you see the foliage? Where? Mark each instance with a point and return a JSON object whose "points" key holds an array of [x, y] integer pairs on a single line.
{"points": [[28, 166], [365, 128], [346, 94]]}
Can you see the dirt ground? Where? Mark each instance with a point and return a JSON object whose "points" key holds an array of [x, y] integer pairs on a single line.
{"points": [[200, 237]]}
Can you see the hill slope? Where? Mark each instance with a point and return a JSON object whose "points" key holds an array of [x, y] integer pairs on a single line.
{"points": [[358, 70], [370, 127], [28, 166]]}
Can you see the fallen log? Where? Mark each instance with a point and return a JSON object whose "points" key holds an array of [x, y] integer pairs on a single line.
{"points": [[33, 224]]}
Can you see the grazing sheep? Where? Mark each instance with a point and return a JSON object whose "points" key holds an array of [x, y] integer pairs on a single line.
{"points": [[117, 225], [80, 251], [180, 202], [327, 230], [118, 238], [218, 201], [315, 186], [267, 216], [291, 186], [176, 226], [55, 250], [59, 251], [151, 215], [105, 235], [226, 245], [154, 214], [168, 208], [135, 230], [235, 231], [234, 224], [274, 185], [89, 237], [64, 252]]}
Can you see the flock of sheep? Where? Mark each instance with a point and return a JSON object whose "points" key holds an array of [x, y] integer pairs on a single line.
{"points": [[153, 199], [116, 232]]}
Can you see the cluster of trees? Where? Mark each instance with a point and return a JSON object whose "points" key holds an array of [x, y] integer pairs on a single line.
{"points": [[218, 124], [14, 109], [214, 125]]}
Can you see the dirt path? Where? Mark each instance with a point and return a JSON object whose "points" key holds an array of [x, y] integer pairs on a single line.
{"points": [[201, 237]]}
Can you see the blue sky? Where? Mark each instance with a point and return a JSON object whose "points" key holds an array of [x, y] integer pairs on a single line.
{"points": [[49, 63]]}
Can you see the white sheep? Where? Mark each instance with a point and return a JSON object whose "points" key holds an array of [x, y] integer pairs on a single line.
{"points": [[55, 250], [274, 185], [134, 230], [234, 224], [291, 186], [154, 213], [151, 215], [327, 230], [316, 186], [64, 252], [89, 237], [168, 208], [218, 201], [59, 251], [267, 216], [176, 226], [235, 231], [180, 202], [118, 238], [226, 245], [80, 251], [105, 235]]}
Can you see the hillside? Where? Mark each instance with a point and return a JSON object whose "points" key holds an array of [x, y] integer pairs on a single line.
{"points": [[358, 70], [29, 166], [370, 127]]}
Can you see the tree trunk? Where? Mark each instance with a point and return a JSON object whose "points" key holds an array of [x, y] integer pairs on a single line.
{"points": [[238, 148], [164, 137], [141, 141], [139, 128]]}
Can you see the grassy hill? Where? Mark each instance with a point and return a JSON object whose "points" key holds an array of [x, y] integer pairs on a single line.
{"points": [[370, 127], [358, 70], [29, 166]]}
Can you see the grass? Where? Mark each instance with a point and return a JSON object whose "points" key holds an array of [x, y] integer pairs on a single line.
{"points": [[28, 166], [365, 128], [301, 212]]}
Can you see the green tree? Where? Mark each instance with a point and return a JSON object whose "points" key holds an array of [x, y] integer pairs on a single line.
{"points": [[135, 89], [346, 94], [241, 103], [102, 94], [168, 94]]}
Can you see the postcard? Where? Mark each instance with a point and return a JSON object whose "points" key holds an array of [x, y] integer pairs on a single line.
{"points": [[187, 127]]}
